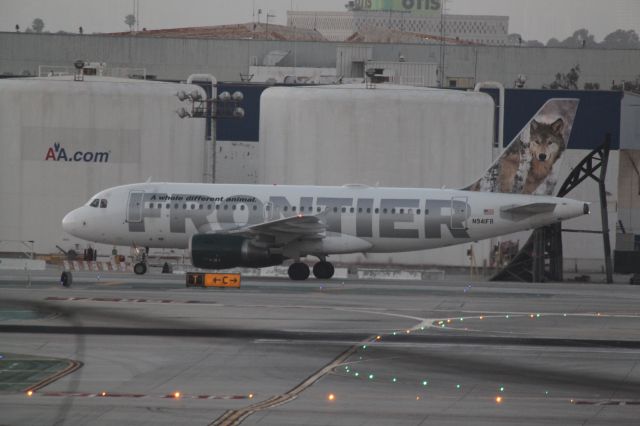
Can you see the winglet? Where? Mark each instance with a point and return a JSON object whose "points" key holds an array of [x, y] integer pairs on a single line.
{"points": [[530, 164]]}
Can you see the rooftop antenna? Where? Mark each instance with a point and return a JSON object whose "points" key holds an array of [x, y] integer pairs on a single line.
{"points": [[269, 15]]}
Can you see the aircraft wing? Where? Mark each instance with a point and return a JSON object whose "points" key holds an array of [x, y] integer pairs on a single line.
{"points": [[299, 226], [282, 231]]}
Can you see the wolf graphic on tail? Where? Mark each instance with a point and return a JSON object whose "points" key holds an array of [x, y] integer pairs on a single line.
{"points": [[530, 164]]}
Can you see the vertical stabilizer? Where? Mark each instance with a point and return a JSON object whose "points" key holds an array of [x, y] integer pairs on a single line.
{"points": [[530, 164]]}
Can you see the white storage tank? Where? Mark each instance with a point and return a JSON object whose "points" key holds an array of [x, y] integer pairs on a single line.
{"points": [[395, 136], [64, 140]]}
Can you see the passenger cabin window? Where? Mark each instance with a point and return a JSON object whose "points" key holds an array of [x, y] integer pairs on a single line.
{"points": [[103, 204], [95, 203]]}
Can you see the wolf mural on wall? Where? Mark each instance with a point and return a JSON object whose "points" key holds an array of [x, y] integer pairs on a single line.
{"points": [[530, 164]]}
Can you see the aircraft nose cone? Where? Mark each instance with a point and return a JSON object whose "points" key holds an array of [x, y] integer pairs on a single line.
{"points": [[72, 223]]}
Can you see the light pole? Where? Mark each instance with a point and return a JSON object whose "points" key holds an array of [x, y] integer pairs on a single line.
{"points": [[443, 44]]}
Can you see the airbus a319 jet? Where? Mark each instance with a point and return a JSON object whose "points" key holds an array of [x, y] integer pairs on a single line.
{"points": [[228, 226]]}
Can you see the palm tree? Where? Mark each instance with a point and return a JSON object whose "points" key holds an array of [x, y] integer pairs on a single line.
{"points": [[130, 20], [37, 25]]}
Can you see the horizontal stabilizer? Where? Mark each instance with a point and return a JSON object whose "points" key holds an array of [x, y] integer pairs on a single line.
{"points": [[529, 209]]}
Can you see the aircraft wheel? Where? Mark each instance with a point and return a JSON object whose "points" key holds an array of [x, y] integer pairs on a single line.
{"points": [[66, 279], [299, 271], [140, 268], [323, 270]]}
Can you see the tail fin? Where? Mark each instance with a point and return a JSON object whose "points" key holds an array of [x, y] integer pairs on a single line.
{"points": [[530, 164]]}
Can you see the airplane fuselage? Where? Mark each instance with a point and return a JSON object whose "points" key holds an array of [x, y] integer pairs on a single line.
{"points": [[357, 218]]}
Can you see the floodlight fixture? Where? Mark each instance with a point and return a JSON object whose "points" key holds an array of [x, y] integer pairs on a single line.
{"points": [[183, 113], [182, 95], [238, 113], [237, 96]]}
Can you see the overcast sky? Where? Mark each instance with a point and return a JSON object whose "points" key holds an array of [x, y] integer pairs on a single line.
{"points": [[534, 19]]}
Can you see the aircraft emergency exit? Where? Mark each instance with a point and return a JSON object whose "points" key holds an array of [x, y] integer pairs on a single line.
{"points": [[228, 226]]}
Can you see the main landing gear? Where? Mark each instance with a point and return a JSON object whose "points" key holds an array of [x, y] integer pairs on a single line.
{"points": [[299, 271], [322, 270]]}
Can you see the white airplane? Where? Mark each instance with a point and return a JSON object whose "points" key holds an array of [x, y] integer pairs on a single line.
{"points": [[228, 226]]}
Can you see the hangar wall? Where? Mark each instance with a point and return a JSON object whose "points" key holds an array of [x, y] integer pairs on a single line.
{"points": [[389, 136], [63, 141], [629, 179]]}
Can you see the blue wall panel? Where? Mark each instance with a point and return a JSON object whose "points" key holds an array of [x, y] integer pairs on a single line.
{"points": [[246, 129]]}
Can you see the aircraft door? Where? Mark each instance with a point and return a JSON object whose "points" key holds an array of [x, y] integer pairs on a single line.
{"points": [[459, 212], [134, 206], [269, 213]]}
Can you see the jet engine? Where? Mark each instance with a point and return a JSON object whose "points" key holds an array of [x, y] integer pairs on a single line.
{"points": [[210, 251]]}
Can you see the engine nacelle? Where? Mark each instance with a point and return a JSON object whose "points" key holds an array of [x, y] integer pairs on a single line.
{"points": [[229, 251]]}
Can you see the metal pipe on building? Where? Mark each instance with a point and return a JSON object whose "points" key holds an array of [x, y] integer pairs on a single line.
{"points": [[209, 172], [500, 87]]}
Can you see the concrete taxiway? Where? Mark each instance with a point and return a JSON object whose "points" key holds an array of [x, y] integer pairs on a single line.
{"points": [[149, 351]]}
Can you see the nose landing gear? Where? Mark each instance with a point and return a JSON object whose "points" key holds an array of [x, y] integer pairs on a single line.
{"points": [[140, 268]]}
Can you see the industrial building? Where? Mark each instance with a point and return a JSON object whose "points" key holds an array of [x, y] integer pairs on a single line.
{"points": [[175, 58]]}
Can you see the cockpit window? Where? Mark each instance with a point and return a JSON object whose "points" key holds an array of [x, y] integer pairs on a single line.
{"points": [[103, 204], [95, 203]]}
